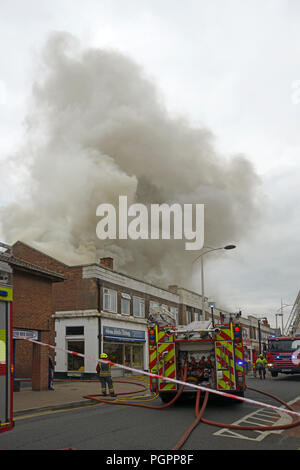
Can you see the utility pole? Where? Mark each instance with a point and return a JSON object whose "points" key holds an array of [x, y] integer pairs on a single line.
{"points": [[281, 312]]}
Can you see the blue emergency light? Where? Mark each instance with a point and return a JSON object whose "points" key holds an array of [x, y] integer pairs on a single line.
{"points": [[152, 336]]}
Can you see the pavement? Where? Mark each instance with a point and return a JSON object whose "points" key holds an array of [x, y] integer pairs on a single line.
{"points": [[70, 394]]}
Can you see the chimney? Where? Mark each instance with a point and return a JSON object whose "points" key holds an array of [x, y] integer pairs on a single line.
{"points": [[107, 263], [173, 289]]}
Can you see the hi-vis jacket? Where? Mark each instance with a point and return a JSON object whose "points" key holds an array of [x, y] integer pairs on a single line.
{"points": [[261, 363], [103, 370]]}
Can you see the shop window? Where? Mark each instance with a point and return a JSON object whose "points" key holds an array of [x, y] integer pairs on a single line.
{"points": [[137, 356], [114, 352], [127, 355], [130, 355], [110, 300], [75, 363], [138, 307]]}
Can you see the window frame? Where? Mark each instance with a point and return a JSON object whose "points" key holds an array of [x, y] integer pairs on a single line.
{"points": [[127, 302], [141, 303], [113, 296]]}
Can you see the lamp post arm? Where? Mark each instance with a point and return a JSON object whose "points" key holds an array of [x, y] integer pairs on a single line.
{"points": [[208, 251]]}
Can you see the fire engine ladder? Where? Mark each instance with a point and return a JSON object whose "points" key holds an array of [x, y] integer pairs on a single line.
{"points": [[188, 333], [293, 322]]}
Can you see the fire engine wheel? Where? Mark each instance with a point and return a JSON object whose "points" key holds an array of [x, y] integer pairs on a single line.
{"points": [[166, 397], [241, 393], [274, 374]]}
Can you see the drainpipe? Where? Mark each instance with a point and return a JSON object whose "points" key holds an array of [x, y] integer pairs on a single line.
{"points": [[99, 319], [259, 336]]}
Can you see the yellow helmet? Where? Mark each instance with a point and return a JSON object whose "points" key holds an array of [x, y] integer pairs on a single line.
{"points": [[103, 356]]}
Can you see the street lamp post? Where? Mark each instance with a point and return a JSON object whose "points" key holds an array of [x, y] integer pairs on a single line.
{"points": [[282, 306], [277, 315], [227, 247]]}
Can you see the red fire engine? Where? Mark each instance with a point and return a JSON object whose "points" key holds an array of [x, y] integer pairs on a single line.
{"points": [[283, 355], [213, 356]]}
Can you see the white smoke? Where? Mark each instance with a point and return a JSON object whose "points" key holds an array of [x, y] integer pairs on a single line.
{"points": [[97, 129]]}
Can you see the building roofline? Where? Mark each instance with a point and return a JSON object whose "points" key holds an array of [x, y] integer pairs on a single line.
{"points": [[123, 274], [40, 252], [32, 268]]}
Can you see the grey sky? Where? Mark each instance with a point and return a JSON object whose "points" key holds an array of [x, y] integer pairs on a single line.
{"points": [[228, 66]]}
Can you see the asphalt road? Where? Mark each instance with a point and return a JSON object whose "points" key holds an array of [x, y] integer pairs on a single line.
{"points": [[114, 428]]}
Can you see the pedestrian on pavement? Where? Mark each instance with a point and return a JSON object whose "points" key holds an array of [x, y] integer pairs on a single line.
{"points": [[104, 375], [51, 373], [261, 365]]}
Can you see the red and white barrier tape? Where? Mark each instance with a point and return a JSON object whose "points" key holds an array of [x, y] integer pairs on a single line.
{"points": [[167, 379]]}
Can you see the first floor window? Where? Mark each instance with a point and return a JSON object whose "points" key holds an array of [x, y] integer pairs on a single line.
{"points": [[153, 306], [138, 307], [110, 300], [125, 306], [188, 316], [196, 314], [174, 312]]}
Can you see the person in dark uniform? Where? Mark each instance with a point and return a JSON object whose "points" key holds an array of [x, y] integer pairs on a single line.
{"points": [[104, 375], [51, 374]]}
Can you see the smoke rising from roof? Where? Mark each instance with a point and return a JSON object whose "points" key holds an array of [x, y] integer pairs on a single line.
{"points": [[97, 128]]}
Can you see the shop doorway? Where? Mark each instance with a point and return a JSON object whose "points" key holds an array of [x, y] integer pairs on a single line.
{"points": [[75, 363]]}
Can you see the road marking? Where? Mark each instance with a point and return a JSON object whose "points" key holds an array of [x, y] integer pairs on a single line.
{"points": [[256, 418], [50, 412]]}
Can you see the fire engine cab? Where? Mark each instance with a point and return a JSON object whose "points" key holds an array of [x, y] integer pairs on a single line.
{"points": [[213, 355]]}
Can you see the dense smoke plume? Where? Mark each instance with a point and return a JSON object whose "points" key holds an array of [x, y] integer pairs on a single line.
{"points": [[97, 129]]}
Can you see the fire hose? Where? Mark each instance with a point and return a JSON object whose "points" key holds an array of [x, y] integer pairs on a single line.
{"points": [[142, 405], [199, 418], [199, 413]]}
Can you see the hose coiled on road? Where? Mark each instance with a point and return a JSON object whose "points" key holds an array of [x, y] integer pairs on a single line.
{"points": [[199, 413]]}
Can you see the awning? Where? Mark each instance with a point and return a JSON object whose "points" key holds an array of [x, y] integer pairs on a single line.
{"points": [[124, 340]]}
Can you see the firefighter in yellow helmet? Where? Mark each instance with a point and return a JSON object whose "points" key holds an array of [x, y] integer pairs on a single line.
{"points": [[104, 375], [261, 365]]}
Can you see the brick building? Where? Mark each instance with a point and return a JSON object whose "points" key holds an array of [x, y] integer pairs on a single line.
{"points": [[98, 309], [32, 314]]}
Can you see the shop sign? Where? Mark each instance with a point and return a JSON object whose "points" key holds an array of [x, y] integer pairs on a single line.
{"points": [[123, 333], [26, 334]]}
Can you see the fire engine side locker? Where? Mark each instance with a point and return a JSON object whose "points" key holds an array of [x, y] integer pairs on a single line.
{"points": [[225, 358], [166, 360], [225, 373]]}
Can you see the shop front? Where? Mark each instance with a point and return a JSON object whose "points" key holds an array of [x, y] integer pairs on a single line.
{"points": [[125, 346]]}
